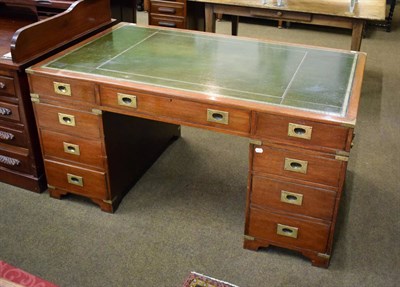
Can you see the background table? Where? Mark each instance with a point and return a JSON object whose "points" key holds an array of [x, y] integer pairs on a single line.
{"points": [[333, 13]]}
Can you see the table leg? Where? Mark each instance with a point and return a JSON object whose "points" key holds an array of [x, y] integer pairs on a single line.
{"points": [[209, 18], [356, 36], [235, 25]]}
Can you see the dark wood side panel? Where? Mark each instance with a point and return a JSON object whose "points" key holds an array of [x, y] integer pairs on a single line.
{"points": [[80, 19]]}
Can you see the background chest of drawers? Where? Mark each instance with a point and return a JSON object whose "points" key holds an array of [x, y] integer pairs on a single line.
{"points": [[296, 175], [21, 162], [168, 13]]}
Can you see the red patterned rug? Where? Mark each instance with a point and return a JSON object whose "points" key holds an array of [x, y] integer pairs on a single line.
{"points": [[11, 276], [199, 280]]}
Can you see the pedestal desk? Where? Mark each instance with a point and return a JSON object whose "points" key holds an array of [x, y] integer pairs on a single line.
{"points": [[23, 42], [107, 107]]}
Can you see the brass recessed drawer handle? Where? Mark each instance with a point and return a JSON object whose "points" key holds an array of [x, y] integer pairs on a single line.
{"points": [[6, 136], [279, 13], [216, 116], [5, 111], [127, 100], [296, 165], [9, 160], [2, 86], [286, 230], [62, 89], [167, 24], [291, 197], [299, 131], [65, 119], [166, 10], [71, 148], [75, 179]]}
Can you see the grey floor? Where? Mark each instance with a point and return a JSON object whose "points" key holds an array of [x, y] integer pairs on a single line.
{"points": [[187, 212]]}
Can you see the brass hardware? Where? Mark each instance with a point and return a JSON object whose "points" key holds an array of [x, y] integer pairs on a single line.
{"points": [[107, 201], [74, 179], [286, 230], [291, 197], [324, 255], [342, 153], [97, 112], [35, 98], [127, 100], [2, 85], [65, 119], [349, 124], [279, 13], [62, 89], [342, 158], [296, 165], [248, 237], [71, 148], [216, 116], [51, 186], [255, 142], [299, 131]]}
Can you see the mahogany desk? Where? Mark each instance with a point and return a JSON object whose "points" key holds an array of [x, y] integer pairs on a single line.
{"points": [[106, 108], [332, 13]]}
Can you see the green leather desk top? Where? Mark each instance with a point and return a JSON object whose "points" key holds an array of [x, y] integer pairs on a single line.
{"points": [[313, 79]]}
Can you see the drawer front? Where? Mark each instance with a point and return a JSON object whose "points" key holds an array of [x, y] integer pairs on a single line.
{"points": [[167, 21], [72, 148], [9, 111], [12, 135], [303, 132], [312, 235], [281, 14], [234, 120], [63, 89], [7, 86], [18, 161], [77, 180], [311, 167], [268, 193], [69, 121], [168, 8]]}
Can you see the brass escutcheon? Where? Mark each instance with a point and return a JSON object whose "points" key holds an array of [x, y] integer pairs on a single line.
{"points": [[71, 148], [75, 179], [296, 165], [291, 197], [217, 116], [65, 119], [127, 100], [299, 131], [286, 230], [62, 88]]}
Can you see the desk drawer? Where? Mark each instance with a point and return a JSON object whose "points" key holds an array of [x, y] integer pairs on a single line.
{"points": [[167, 21], [296, 131], [14, 159], [77, 180], [287, 230], [175, 110], [62, 89], [68, 121], [9, 111], [301, 199], [10, 134], [168, 8], [73, 148], [312, 166], [281, 14], [7, 86]]}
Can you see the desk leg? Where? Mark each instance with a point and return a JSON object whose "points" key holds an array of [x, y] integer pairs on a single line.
{"points": [[356, 37], [209, 18]]}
